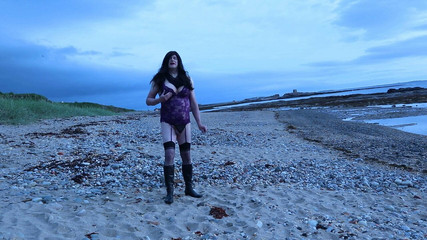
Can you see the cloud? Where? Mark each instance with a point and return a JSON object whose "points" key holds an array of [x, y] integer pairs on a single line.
{"points": [[421, 27], [21, 52], [234, 49], [120, 54], [219, 32], [27, 67], [52, 13], [72, 51], [381, 19], [415, 47], [410, 48]]}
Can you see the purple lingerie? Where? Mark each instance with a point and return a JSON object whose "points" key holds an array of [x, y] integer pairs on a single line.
{"points": [[176, 111]]}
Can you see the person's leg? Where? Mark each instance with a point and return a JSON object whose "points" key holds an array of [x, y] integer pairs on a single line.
{"points": [[184, 140], [185, 135], [169, 138]]}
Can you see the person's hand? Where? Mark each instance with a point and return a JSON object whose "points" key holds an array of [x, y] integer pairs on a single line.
{"points": [[165, 96], [203, 128]]}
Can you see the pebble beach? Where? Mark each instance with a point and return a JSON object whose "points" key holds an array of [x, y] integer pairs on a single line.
{"points": [[264, 175]]}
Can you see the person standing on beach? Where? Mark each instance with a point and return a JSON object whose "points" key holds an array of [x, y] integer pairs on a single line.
{"points": [[176, 94]]}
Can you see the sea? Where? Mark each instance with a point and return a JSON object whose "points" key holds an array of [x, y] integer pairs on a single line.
{"points": [[414, 124]]}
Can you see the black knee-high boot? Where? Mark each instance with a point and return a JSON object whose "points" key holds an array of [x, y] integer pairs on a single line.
{"points": [[187, 172], [169, 172]]}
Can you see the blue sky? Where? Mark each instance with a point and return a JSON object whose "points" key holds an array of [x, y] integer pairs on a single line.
{"points": [[107, 51]]}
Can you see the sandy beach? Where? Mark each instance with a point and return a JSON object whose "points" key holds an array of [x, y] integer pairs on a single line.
{"points": [[264, 175]]}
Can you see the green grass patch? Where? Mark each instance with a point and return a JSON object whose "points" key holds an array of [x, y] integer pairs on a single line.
{"points": [[28, 108]]}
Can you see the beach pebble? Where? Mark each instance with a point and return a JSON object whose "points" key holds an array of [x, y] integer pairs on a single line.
{"points": [[110, 176], [37, 199], [363, 222], [46, 183], [390, 208], [208, 237], [408, 183], [116, 166], [405, 228], [366, 182], [47, 199], [374, 184], [95, 236], [81, 212], [312, 223], [56, 206]]}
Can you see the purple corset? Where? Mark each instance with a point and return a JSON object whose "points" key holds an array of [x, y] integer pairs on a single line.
{"points": [[176, 111]]}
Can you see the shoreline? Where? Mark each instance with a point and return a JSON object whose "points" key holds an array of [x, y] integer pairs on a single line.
{"points": [[101, 178], [393, 102], [364, 141], [329, 98]]}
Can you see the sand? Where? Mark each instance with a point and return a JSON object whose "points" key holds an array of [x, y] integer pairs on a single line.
{"points": [[255, 206]]}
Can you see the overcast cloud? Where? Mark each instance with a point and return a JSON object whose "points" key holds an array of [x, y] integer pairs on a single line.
{"points": [[107, 51]]}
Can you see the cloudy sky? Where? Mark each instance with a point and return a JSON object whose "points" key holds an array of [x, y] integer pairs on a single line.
{"points": [[107, 51]]}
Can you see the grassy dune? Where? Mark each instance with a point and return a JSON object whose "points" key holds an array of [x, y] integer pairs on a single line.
{"points": [[27, 108]]}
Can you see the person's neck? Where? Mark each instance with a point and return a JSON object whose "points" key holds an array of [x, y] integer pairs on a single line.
{"points": [[173, 73]]}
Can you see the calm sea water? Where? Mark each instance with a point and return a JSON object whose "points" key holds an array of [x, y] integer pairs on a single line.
{"points": [[417, 124], [412, 124], [364, 90]]}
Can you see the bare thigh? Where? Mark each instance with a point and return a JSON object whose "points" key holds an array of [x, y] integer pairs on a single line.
{"points": [[185, 135], [169, 133]]}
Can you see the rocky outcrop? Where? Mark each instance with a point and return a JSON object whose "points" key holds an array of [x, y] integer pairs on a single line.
{"points": [[392, 96]]}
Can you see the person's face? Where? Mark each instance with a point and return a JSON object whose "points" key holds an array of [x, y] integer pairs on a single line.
{"points": [[173, 62]]}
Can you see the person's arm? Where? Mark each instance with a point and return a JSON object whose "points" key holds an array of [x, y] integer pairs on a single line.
{"points": [[196, 112], [151, 97]]}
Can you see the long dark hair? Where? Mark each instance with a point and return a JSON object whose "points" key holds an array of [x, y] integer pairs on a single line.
{"points": [[160, 76]]}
